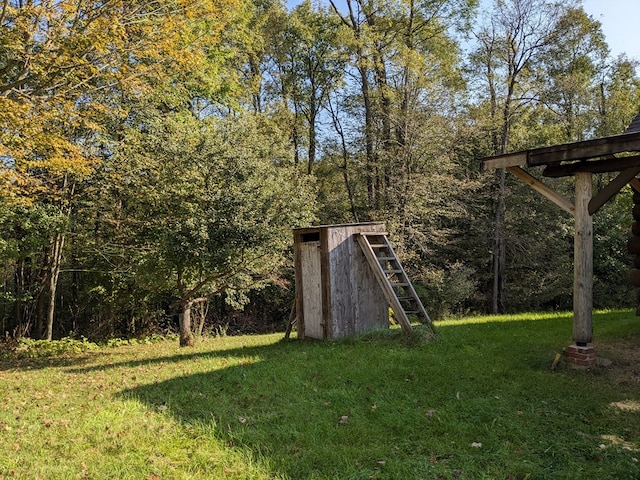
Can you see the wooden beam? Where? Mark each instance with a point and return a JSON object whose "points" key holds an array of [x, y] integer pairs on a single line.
{"points": [[584, 150], [544, 190], [612, 189], [583, 262], [635, 183], [503, 161], [597, 166]]}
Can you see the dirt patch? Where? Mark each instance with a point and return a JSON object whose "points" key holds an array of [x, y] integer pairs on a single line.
{"points": [[627, 405], [624, 366], [619, 442]]}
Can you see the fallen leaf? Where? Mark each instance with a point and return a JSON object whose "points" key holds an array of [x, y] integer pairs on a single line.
{"points": [[430, 412], [242, 420], [476, 445], [374, 408], [343, 419]]}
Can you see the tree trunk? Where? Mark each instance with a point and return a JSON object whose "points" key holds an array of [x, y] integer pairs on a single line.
{"points": [[345, 161], [499, 248], [19, 286], [368, 138], [54, 273], [312, 141], [186, 336], [498, 303], [202, 315], [40, 313]]}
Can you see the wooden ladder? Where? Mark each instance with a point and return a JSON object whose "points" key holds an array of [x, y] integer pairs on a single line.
{"points": [[394, 280]]}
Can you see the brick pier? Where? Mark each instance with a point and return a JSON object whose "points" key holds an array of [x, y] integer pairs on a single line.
{"points": [[581, 356]]}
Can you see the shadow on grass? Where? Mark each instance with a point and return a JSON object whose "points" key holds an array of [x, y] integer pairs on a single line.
{"points": [[375, 408], [38, 363]]}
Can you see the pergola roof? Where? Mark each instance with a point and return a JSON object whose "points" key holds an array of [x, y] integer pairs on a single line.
{"points": [[596, 156]]}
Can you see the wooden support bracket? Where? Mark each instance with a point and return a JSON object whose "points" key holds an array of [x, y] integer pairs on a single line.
{"points": [[543, 189], [612, 189]]}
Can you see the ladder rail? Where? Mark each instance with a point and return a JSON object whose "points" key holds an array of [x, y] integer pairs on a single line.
{"points": [[409, 286], [394, 298], [383, 281]]}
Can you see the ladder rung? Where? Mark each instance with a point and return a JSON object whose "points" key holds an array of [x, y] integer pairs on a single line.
{"points": [[386, 258], [393, 271], [412, 312], [400, 284], [379, 245]]}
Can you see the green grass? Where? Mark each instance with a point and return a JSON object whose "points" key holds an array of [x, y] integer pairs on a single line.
{"points": [[479, 403]]}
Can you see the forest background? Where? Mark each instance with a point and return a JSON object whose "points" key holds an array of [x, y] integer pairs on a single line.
{"points": [[155, 154]]}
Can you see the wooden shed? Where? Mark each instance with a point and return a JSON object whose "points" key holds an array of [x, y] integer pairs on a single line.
{"points": [[337, 293]]}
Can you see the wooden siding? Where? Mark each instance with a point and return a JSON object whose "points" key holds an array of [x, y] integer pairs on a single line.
{"points": [[311, 291], [351, 300]]}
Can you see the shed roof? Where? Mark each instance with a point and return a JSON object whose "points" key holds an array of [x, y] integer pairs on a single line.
{"points": [[634, 126]]}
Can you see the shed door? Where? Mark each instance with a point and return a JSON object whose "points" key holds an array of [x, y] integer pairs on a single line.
{"points": [[311, 289]]}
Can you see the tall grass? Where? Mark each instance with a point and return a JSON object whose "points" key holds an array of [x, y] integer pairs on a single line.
{"points": [[479, 403]]}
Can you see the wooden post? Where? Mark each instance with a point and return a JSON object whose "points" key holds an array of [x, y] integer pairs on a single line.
{"points": [[583, 262]]}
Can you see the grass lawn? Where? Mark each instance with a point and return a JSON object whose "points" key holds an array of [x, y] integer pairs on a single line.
{"points": [[479, 403]]}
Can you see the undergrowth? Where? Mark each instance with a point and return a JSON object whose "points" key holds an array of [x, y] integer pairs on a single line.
{"points": [[69, 346]]}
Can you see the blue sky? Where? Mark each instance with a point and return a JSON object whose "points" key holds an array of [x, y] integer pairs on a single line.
{"points": [[620, 23]]}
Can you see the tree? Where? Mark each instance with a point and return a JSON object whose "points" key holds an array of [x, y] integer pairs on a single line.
{"points": [[405, 64], [618, 97], [310, 61], [65, 67], [510, 49], [573, 66], [213, 202]]}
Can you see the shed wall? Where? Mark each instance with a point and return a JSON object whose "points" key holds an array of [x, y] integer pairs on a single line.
{"points": [[352, 301]]}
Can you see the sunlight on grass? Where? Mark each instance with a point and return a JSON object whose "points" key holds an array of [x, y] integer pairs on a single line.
{"points": [[505, 318], [518, 317]]}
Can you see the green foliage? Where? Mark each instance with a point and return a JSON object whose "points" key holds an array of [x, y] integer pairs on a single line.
{"points": [[69, 347], [611, 261], [147, 340], [447, 291], [157, 153], [207, 206], [28, 348]]}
